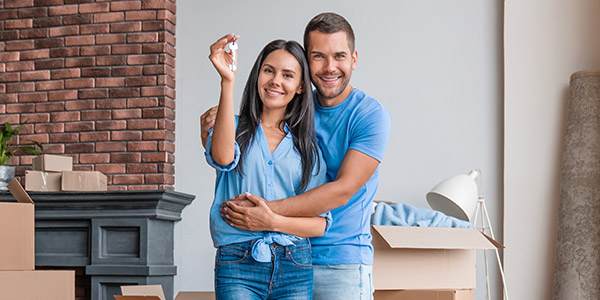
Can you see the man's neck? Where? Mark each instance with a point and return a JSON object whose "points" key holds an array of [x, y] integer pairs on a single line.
{"points": [[330, 102]]}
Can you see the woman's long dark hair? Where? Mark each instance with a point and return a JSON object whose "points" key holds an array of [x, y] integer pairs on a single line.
{"points": [[299, 113]]}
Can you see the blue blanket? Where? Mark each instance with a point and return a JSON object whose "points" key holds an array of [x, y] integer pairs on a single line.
{"points": [[402, 214]]}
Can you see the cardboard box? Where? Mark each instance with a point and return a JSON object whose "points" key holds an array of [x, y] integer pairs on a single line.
{"points": [[83, 181], [17, 232], [52, 163], [37, 285], [425, 295], [39, 181], [155, 292], [425, 258]]}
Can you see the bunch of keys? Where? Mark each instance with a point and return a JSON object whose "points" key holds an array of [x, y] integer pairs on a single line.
{"points": [[232, 47]]}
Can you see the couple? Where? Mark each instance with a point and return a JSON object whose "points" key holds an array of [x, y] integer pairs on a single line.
{"points": [[295, 164]]}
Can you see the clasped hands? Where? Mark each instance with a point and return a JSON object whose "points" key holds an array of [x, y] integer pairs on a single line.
{"points": [[249, 212]]}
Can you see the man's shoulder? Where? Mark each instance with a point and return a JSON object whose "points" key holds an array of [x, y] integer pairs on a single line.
{"points": [[363, 104]]}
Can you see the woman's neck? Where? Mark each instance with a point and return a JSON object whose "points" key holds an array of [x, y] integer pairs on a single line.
{"points": [[272, 118]]}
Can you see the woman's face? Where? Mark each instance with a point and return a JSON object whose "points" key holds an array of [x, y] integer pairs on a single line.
{"points": [[279, 79]]}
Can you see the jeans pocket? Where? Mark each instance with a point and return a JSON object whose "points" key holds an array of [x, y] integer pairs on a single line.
{"points": [[231, 255], [301, 257]]}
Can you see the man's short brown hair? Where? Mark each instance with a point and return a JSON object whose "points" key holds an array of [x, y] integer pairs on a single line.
{"points": [[329, 22]]}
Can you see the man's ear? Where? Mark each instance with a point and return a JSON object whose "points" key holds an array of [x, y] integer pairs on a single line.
{"points": [[354, 59]]}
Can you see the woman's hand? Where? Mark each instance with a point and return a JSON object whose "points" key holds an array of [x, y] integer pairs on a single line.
{"points": [[221, 59], [257, 218]]}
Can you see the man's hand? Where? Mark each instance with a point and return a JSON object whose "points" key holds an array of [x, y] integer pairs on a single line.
{"points": [[258, 217], [207, 121]]}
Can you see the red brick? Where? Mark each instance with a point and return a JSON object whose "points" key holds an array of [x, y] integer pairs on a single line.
{"points": [[62, 10], [154, 4], [79, 126], [140, 15], [140, 81], [65, 116], [19, 24], [80, 105], [127, 114], [110, 82], [125, 157], [166, 80], [35, 75], [35, 54], [142, 146], [144, 59], [126, 49], [95, 50], [20, 87], [111, 146], [145, 37], [82, 167], [40, 138], [111, 103], [142, 124], [79, 83], [125, 5], [166, 15], [64, 138], [154, 91], [155, 25], [34, 34], [17, 3], [141, 168], [142, 102], [159, 112], [48, 2], [94, 136], [56, 63], [33, 12], [94, 28], [19, 45], [8, 98], [19, 108], [52, 106], [154, 48], [10, 56], [9, 77], [64, 52], [128, 179], [124, 93], [166, 59], [154, 157], [111, 125], [93, 94], [51, 149], [126, 135], [126, 27], [166, 37], [127, 71], [62, 95], [80, 62], [165, 168], [6, 14], [64, 30], [20, 66], [49, 85], [158, 135], [47, 22], [13, 119], [7, 35], [2, 90], [77, 19], [45, 128], [160, 179], [117, 38], [27, 128], [111, 60], [109, 17], [116, 187], [66, 73], [93, 7], [79, 148], [110, 168], [96, 72], [95, 115], [81, 40]]}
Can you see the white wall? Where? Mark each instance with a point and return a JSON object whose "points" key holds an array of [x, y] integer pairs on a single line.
{"points": [[439, 75], [545, 42]]}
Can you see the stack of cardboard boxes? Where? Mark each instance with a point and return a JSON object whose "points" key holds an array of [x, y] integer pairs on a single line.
{"points": [[18, 279], [53, 173]]}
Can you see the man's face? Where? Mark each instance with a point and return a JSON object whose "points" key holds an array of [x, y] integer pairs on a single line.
{"points": [[331, 63]]}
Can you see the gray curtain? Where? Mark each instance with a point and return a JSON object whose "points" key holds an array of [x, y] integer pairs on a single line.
{"points": [[577, 272]]}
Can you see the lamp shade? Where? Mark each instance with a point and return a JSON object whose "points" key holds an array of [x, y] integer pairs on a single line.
{"points": [[456, 196]]}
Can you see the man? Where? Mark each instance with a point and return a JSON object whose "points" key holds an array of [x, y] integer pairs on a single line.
{"points": [[352, 131]]}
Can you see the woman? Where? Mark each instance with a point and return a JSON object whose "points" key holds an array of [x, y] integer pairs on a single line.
{"points": [[269, 150]]}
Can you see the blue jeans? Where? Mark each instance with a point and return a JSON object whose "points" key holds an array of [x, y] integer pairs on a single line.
{"points": [[343, 282], [289, 275]]}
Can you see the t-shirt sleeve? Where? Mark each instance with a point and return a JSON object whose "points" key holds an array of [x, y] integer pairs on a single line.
{"points": [[371, 133], [213, 163]]}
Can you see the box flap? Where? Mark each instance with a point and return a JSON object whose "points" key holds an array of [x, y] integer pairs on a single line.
{"points": [[433, 238], [143, 290], [195, 296], [19, 192]]}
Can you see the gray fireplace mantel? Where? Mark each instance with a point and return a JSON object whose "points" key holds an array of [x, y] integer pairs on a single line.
{"points": [[120, 237]]}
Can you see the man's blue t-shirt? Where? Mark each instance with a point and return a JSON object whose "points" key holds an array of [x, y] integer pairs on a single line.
{"points": [[363, 124]]}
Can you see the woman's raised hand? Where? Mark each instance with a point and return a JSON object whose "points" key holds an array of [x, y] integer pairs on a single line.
{"points": [[221, 59]]}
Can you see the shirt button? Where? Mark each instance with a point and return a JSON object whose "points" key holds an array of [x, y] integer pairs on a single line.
{"points": [[270, 163], [270, 185]]}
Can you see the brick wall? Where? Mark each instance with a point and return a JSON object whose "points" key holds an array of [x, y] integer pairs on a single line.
{"points": [[94, 80]]}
